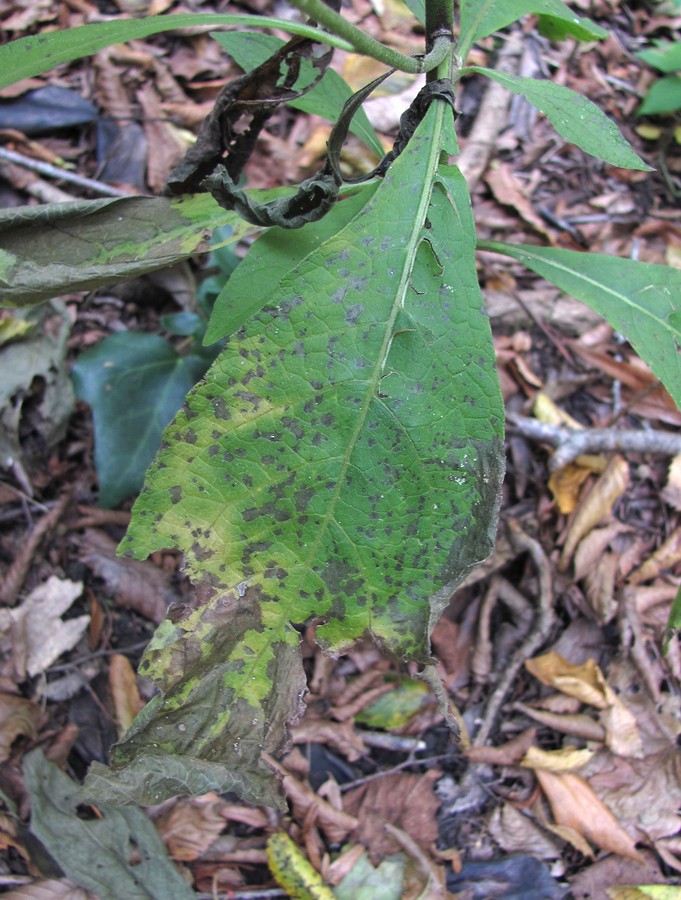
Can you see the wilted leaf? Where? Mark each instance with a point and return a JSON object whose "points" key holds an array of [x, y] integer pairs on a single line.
{"points": [[190, 825], [667, 555], [17, 716], [36, 368], [364, 882], [597, 506], [124, 693], [117, 855], [62, 247], [564, 760], [40, 634], [575, 804], [293, 871], [249, 49], [397, 707], [342, 458], [587, 683]]}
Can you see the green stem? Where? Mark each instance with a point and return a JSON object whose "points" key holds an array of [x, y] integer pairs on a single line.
{"points": [[368, 46]]}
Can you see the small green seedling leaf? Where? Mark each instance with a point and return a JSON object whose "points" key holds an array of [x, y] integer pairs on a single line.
{"points": [[250, 49], [663, 97], [38, 53], [273, 256], [124, 366], [63, 247], [665, 56], [480, 18], [341, 459], [114, 853], [640, 300], [574, 117]]}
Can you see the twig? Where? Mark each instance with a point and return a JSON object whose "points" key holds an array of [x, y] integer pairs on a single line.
{"points": [[43, 168], [426, 761], [16, 574], [571, 443], [536, 637]]}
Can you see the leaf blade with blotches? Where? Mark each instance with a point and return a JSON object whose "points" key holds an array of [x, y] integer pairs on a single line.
{"points": [[341, 460]]}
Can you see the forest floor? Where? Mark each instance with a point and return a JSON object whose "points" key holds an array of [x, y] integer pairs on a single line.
{"points": [[555, 644]]}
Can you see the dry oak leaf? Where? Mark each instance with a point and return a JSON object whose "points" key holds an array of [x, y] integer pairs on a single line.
{"points": [[575, 804]]}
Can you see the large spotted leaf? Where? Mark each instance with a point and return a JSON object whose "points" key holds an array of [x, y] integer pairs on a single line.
{"points": [[339, 463]]}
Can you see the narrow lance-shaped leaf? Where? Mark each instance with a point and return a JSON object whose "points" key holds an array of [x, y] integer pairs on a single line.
{"points": [[640, 300], [480, 18], [49, 250], [35, 54], [574, 117], [341, 460]]}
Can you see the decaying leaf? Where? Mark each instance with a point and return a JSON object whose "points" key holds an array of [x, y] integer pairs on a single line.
{"points": [[341, 459], [293, 871], [40, 636], [587, 683], [17, 716], [596, 506], [124, 693], [575, 804], [189, 825], [567, 759]]}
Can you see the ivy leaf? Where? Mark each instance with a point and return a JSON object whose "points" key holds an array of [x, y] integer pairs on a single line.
{"points": [[276, 253], [574, 117], [341, 460], [250, 49], [62, 247], [127, 435], [35, 54], [480, 18], [640, 300]]}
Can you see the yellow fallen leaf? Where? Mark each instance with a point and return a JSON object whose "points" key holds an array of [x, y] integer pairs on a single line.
{"points": [[293, 871], [564, 760], [124, 693], [596, 507]]}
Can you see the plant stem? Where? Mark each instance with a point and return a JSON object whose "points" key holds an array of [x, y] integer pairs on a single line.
{"points": [[440, 28], [368, 46]]}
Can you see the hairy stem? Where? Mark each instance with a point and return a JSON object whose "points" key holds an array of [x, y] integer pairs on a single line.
{"points": [[368, 46]]}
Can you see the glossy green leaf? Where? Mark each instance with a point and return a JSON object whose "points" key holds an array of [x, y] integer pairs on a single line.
{"points": [[574, 117], [663, 97], [62, 247], [126, 367], [640, 300], [33, 55], [249, 49], [114, 853], [269, 260], [418, 9], [341, 459], [480, 18]]}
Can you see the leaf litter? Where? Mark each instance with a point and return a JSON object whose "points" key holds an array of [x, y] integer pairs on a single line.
{"points": [[613, 556]]}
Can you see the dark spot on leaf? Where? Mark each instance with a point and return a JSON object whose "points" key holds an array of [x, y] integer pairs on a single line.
{"points": [[175, 494]]}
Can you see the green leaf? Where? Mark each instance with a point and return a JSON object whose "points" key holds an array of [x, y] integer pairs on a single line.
{"points": [[38, 53], [123, 367], [115, 853], [62, 247], [341, 459], [250, 49], [418, 9], [663, 97], [574, 117], [276, 253], [397, 707], [640, 300], [558, 29], [364, 882], [665, 56], [480, 18]]}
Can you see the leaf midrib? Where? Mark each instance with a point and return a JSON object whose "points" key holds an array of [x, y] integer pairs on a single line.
{"points": [[400, 293]]}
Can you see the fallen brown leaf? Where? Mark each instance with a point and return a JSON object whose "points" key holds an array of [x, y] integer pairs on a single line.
{"points": [[124, 693], [575, 804], [189, 825], [400, 799]]}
